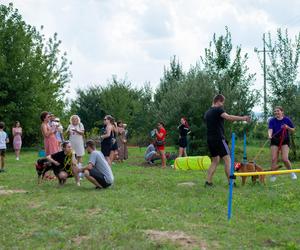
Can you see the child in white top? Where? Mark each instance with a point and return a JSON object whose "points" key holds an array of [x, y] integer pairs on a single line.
{"points": [[3, 141]]}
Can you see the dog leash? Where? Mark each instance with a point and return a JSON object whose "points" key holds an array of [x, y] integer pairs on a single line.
{"points": [[280, 144]]}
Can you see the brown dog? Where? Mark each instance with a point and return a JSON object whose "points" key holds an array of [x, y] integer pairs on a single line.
{"points": [[251, 167]]}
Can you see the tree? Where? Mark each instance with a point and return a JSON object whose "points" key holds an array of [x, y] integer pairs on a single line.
{"points": [[119, 99], [229, 74], [189, 98], [87, 105], [33, 73], [171, 79], [282, 72]]}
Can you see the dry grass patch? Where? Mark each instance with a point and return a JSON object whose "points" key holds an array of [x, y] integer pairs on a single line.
{"points": [[187, 184], [177, 237], [4, 191]]}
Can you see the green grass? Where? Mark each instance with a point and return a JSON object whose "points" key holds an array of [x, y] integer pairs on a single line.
{"points": [[49, 217]]}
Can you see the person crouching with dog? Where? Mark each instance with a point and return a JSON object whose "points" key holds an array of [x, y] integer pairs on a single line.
{"points": [[64, 164], [98, 171], [216, 141]]}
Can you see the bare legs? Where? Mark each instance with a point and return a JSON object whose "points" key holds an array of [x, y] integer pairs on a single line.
{"points": [[163, 158], [213, 166], [182, 152], [91, 179], [284, 156], [17, 152], [2, 162]]}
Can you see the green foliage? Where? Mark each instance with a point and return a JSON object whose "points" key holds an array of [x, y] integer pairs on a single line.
{"points": [[118, 99], [33, 73], [229, 74], [282, 72], [190, 98]]}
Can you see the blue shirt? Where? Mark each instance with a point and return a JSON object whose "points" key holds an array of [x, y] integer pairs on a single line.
{"points": [[276, 125]]}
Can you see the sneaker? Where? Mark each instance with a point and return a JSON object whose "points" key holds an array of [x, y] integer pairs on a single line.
{"points": [[208, 184], [17, 158], [272, 178], [293, 176], [78, 184]]}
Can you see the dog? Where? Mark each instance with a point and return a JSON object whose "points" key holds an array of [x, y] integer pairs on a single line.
{"points": [[42, 166], [252, 167]]}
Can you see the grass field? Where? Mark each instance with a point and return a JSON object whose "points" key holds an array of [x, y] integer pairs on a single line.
{"points": [[147, 208]]}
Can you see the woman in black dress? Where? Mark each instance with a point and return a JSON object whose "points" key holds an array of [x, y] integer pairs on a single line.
{"points": [[107, 138], [184, 130]]}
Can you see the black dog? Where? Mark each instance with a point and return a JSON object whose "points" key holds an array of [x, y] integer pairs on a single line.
{"points": [[42, 166]]}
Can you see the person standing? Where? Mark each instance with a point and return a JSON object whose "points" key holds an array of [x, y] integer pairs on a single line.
{"points": [[98, 170], [122, 141], [17, 139], [59, 132], [76, 133], [216, 141], [107, 139], [184, 129], [161, 133], [3, 141], [50, 142], [280, 126]]}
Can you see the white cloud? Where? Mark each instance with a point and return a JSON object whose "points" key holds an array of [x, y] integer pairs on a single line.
{"points": [[138, 37]]}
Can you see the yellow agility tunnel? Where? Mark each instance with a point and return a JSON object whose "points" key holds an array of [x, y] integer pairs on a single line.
{"points": [[192, 163], [268, 172]]}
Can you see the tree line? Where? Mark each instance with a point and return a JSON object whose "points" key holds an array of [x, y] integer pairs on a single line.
{"points": [[35, 73]]}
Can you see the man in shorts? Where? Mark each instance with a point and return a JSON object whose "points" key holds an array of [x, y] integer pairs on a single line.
{"points": [[98, 170], [216, 141], [64, 164]]}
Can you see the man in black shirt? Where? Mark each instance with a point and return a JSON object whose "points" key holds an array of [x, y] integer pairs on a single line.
{"points": [[217, 144], [64, 164]]}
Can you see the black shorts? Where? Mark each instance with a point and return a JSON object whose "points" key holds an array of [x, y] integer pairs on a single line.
{"points": [[2, 152], [99, 177], [183, 142], [58, 169], [275, 141], [218, 148], [105, 149], [115, 146]]}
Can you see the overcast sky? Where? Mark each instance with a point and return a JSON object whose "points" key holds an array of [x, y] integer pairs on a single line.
{"points": [[136, 38]]}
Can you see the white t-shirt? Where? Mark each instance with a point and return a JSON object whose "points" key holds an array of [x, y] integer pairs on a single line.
{"points": [[3, 137]]}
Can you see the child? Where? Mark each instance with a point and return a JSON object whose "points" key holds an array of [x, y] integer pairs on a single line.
{"points": [[3, 141]]}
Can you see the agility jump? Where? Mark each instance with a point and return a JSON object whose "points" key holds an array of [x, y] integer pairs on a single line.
{"points": [[233, 175]]}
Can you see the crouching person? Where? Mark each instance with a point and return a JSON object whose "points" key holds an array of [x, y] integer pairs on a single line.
{"points": [[64, 164], [98, 170]]}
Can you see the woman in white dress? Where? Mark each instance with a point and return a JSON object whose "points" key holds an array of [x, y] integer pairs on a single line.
{"points": [[76, 133]]}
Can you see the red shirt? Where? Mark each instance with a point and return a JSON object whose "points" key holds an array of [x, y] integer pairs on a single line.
{"points": [[163, 132]]}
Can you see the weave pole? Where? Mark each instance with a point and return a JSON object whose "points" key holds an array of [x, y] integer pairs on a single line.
{"points": [[231, 176], [268, 172], [245, 148]]}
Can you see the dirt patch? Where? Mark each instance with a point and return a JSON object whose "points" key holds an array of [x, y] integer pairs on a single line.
{"points": [[15, 191], [186, 184], [93, 211], [34, 205], [271, 243], [177, 237], [79, 239]]}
